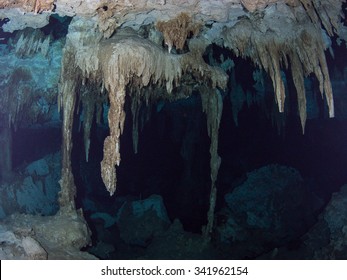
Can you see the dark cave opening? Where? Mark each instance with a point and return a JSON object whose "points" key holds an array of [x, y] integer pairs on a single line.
{"points": [[157, 168], [57, 27]]}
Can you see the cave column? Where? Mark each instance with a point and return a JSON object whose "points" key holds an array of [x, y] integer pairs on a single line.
{"points": [[68, 189], [67, 100], [212, 104]]}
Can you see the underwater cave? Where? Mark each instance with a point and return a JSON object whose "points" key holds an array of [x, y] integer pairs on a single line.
{"points": [[134, 133]]}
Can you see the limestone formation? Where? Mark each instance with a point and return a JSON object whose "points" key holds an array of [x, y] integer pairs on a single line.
{"points": [[121, 63], [300, 45], [212, 104]]}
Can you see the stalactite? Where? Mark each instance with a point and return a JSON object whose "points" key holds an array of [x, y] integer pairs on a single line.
{"points": [[135, 110], [88, 97], [298, 79], [324, 12], [116, 118], [299, 44], [212, 104]]}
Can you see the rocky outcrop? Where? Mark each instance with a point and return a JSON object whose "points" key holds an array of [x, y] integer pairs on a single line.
{"points": [[176, 244], [37, 237], [268, 210], [140, 221], [35, 191], [328, 238]]}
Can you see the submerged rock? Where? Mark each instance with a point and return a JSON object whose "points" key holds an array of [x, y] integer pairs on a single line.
{"points": [[36, 237], [39, 168], [176, 243], [328, 238], [102, 250], [269, 209], [105, 217], [34, 193], [31, 197], [139, 221]]}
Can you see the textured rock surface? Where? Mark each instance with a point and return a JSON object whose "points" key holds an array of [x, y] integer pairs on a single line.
{"points": [[130, 12], [39, 168], [268, 208], [36, 237], [33, 249], [34, 192], [35, 6], [34, 13], [19, 21], [25, 80], [140, 221], [328, 238]]}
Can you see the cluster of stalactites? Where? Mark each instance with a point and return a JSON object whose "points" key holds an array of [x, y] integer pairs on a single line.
{"points": [[121, 59], [128, 61], [29, 42], [320, 12], [17, 96], [299, 45], [324, 12], [135, 57]]}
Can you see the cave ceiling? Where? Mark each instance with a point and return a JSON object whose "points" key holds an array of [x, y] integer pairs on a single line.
{"points": [[35, 13]]}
